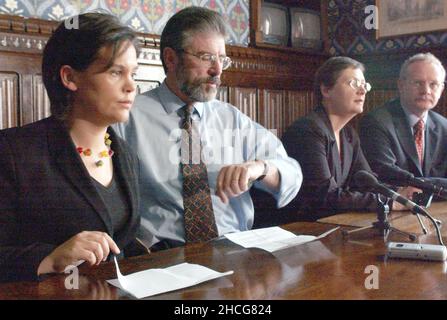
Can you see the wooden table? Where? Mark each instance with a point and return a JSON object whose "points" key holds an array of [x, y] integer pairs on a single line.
{"points": [[403, 220], [333, 268]]}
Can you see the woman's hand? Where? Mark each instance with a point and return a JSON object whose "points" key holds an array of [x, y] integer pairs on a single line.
{"points": [[406, 192], [90, 246]]}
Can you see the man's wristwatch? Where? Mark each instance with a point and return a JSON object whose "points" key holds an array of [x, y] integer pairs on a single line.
{"points": [[266, 170]]}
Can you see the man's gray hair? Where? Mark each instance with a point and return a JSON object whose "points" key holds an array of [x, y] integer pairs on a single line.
{"points": [[426, 57], [188, 22]]}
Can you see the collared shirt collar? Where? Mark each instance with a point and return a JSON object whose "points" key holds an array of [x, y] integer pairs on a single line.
{"points": [[412, 118], [172, 103]]}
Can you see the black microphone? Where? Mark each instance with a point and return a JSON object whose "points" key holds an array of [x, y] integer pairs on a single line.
{"points": [[428, 186], [364, 179], [404, 179]]}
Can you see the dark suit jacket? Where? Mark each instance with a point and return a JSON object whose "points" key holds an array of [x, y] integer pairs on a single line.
{"points": [[389, 147], [328, 185], [47, 196]]}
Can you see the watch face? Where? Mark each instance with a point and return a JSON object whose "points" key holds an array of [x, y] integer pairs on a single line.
{"points": [[266, 170]]}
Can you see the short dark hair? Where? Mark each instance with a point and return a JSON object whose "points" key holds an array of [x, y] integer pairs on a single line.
{"points": [[185, 24], [329, 72], [78, 47]]}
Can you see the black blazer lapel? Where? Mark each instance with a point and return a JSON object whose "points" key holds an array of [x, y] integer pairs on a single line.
{"points": [[405, 136], [125, 172], [325, 124], [348, 151], [431, 148], [336, 160], [64, 154]]}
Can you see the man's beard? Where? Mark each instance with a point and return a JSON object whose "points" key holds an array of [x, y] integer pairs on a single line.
{"points": [[194, 90]]}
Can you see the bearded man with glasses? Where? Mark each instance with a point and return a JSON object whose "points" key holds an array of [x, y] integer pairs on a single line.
{"points": [[405, 136], [199, 156]]}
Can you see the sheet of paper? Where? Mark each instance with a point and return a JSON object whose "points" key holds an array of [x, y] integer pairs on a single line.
{"points": [[155, 281], [271, 239]]}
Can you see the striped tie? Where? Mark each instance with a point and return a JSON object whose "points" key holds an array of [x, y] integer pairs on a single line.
{"points": [[418, 139]]}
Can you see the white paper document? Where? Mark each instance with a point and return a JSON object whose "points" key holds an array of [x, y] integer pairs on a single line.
{"points": [[155, 281], [271, 239]]}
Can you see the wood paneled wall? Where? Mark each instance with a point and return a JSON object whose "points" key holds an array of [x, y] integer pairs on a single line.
{"points": [[272, 87], [382, 70], [8, 99]]}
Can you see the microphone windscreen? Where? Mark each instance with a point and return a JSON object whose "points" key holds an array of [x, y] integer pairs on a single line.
{"points": [[364, 179]]}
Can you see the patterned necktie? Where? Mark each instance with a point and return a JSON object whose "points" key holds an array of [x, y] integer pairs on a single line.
{"points": [[200, 224], [418, 139]]}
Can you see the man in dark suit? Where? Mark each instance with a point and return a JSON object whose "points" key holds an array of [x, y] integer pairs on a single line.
{"points": [[405, 136]]}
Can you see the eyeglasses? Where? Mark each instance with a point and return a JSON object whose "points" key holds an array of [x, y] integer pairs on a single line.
{"points": [[211, 58], [433, 85], [357, 84]]}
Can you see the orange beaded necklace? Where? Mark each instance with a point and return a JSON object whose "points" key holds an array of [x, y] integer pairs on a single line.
{"points": [[103, 154]]}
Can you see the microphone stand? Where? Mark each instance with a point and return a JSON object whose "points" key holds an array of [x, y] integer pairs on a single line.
{"points": [[436, 224], [424, 199], [382, 223]]}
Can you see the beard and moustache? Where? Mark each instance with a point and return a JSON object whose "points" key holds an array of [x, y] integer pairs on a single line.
{"points": [[193, 88]]}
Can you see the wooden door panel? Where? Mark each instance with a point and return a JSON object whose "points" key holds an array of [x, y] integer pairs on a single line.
{"points": [[246, 100], [9, 99]]}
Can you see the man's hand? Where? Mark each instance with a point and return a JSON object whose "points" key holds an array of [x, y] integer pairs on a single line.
{"points": [[234, 180]]}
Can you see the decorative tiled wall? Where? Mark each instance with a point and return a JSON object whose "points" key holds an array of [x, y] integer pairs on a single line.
{"points": [[348, 34], [143, 15], [347, 31]]}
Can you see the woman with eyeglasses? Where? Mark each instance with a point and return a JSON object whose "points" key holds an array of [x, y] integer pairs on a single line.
{"points": [[327, 147]]}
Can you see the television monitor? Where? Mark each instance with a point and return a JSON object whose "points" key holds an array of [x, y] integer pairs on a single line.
{"points": [[275, 24], [306, 29]]}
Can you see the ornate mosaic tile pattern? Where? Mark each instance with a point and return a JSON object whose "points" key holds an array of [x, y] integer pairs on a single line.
{"points": [[348, 34], [143, 15]]}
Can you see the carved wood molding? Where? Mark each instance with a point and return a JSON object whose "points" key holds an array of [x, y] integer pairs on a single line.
{"points": [[265, 68], [21, 25], [22, 43]]}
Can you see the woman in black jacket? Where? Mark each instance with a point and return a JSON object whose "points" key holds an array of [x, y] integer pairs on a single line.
{"points": [[68, 184], [326, 147]]}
